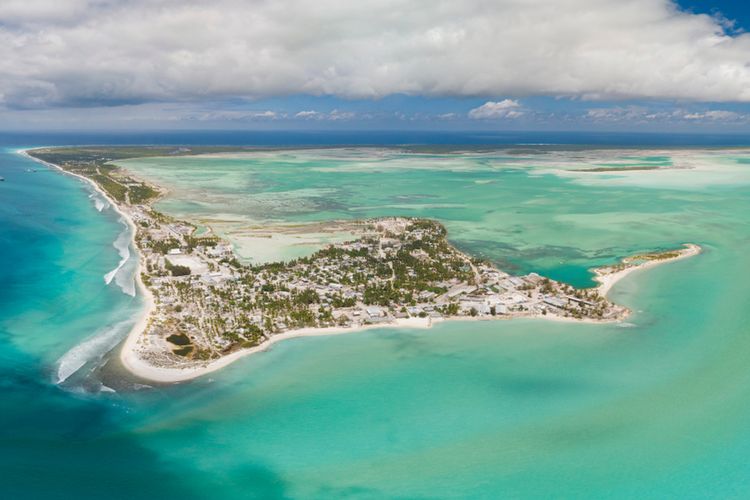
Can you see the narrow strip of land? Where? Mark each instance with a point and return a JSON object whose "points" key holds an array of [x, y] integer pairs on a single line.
{"points": [[609, 275]]}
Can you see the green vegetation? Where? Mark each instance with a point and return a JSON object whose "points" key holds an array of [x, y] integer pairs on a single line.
{"points": [[95, 164], [112, 187], [176, 270], [205, 241], [163, 246], [670, 254], [142, 193]]}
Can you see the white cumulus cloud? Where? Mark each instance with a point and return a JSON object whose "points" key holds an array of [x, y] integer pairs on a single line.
{"points": [[334, 115], [715, 115], [507, 108], [110, 52], [644, 114], [620, 113], [225, 115], [307, 114]]}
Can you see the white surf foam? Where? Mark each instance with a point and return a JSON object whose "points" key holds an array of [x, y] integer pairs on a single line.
{"points": [[92, 349], [99, 202], [124, 279]]}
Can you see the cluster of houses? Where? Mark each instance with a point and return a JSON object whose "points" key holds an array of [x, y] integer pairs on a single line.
{"points": [[212, 293]]}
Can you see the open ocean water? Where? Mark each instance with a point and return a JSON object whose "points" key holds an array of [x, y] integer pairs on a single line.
{"points": [[654, 408]]}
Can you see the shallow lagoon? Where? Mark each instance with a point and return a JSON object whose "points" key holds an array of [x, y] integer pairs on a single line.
{"points": [[653, 408], [540, 212]]}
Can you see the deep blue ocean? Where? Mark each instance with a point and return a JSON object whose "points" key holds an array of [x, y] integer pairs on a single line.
{"points": [[378, 138], [560, 414]]}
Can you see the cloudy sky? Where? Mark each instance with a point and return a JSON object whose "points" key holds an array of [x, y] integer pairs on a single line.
{"points": [[374, 64]]}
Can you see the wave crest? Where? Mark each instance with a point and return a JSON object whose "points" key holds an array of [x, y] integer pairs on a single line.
{"points": [[99, 202], [123, 274], [92, 350]]}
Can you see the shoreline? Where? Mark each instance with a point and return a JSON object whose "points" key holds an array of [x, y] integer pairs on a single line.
{"points": [[133, 363], [130, 359], [148, 299], [142, 369], [129, 352], [607, 280]]}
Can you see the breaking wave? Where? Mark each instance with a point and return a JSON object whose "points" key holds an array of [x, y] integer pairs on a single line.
{"points": [[123, 273], [91, 351], [99, 202]]}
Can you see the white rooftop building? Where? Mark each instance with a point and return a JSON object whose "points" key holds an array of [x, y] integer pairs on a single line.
{"points": [[374, 312]]}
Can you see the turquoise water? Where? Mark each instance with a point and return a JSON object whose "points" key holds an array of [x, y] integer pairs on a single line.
{"points": [[525, 213], [655, 408]]}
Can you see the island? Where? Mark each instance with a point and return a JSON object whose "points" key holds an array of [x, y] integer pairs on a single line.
{"points": [[205, 308]]}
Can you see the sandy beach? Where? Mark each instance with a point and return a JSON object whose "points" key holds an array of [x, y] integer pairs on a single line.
{"points": [[607, 280], [131, 360]]}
